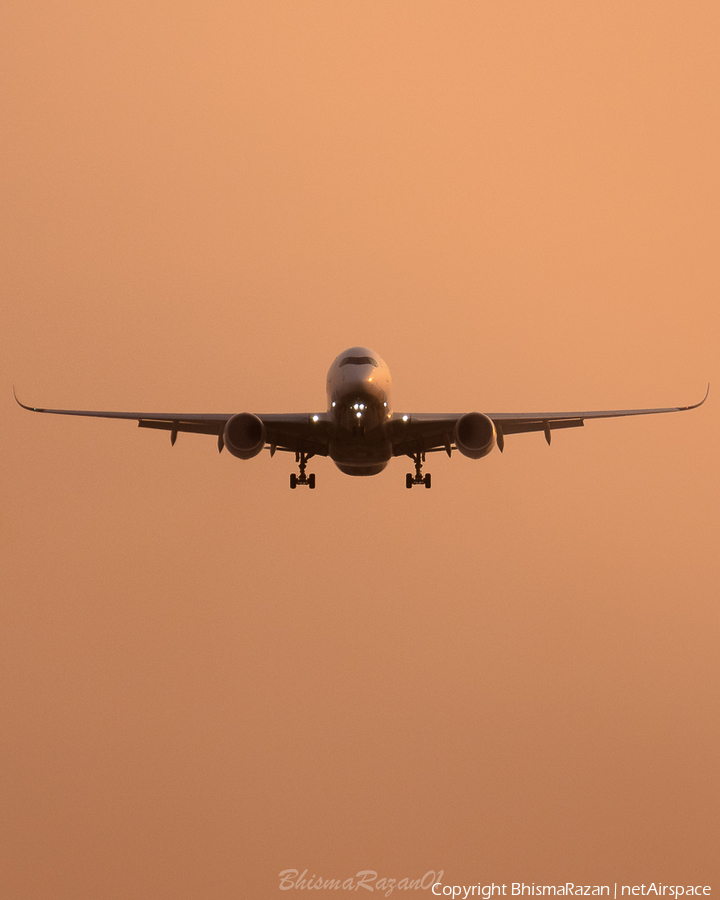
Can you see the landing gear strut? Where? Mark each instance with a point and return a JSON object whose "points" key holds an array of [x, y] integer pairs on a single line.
{"points": [[302, 460], [418, 478]]}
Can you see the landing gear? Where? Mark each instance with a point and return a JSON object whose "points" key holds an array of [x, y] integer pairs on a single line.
{"points": [[418, 478], [302, 460]]}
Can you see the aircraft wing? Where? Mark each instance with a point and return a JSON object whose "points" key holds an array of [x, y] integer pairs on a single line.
{"points": [[427, 432], [291, 431]]}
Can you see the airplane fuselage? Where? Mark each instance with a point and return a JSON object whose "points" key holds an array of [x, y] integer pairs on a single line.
{"points": [[359, 408]]}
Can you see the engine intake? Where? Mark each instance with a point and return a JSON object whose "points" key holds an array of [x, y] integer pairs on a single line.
{"points": [[475, 435], [244, 435]]}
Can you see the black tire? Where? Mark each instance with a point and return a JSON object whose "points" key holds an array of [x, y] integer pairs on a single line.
{"points": [[311, 482], [428, 481], [293, 481], [408, 481]]}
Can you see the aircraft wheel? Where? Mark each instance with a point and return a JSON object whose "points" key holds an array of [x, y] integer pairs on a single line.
{"points": [[293, 481], [427, 481], [408, 481], [311, 482]]}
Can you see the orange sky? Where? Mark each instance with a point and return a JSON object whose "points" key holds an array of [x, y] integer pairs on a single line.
{"points": [[208, 678]]}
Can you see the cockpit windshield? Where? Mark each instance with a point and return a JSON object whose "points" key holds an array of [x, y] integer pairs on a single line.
{"points": [[358, 361]]}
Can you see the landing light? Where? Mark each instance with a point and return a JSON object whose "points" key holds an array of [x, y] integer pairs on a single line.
{"points": [[359, 415], [316, 418], [405, 418]]}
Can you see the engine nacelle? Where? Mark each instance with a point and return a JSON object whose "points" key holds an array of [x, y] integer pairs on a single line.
{"points": [[244, 435], [475, 435]]}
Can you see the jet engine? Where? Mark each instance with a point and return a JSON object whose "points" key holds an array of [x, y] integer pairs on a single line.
{"points": [[244, 435], [475, 435]]}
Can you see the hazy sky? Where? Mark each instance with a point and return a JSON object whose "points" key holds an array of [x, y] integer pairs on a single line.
{"points": [[207, 678]]}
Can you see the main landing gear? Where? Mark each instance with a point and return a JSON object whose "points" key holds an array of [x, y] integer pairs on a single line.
{"points": [[418, 478], [302, 460]]}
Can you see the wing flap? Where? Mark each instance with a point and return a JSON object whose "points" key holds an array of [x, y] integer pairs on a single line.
{"points": [[215, 428], [515, 427]]}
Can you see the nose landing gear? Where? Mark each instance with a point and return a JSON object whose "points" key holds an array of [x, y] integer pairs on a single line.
{"points": [[418, 478], [302, 460]]}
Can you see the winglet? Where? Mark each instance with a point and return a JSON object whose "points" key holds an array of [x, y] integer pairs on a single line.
{"points": [[695, 405], [31, 408]]}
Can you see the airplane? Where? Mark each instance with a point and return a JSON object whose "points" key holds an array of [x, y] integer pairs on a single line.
{"points": [[359, 431]]}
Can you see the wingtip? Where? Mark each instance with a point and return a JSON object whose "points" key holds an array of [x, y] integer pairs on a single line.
{"points": [[695, 405], [19, 403]]}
